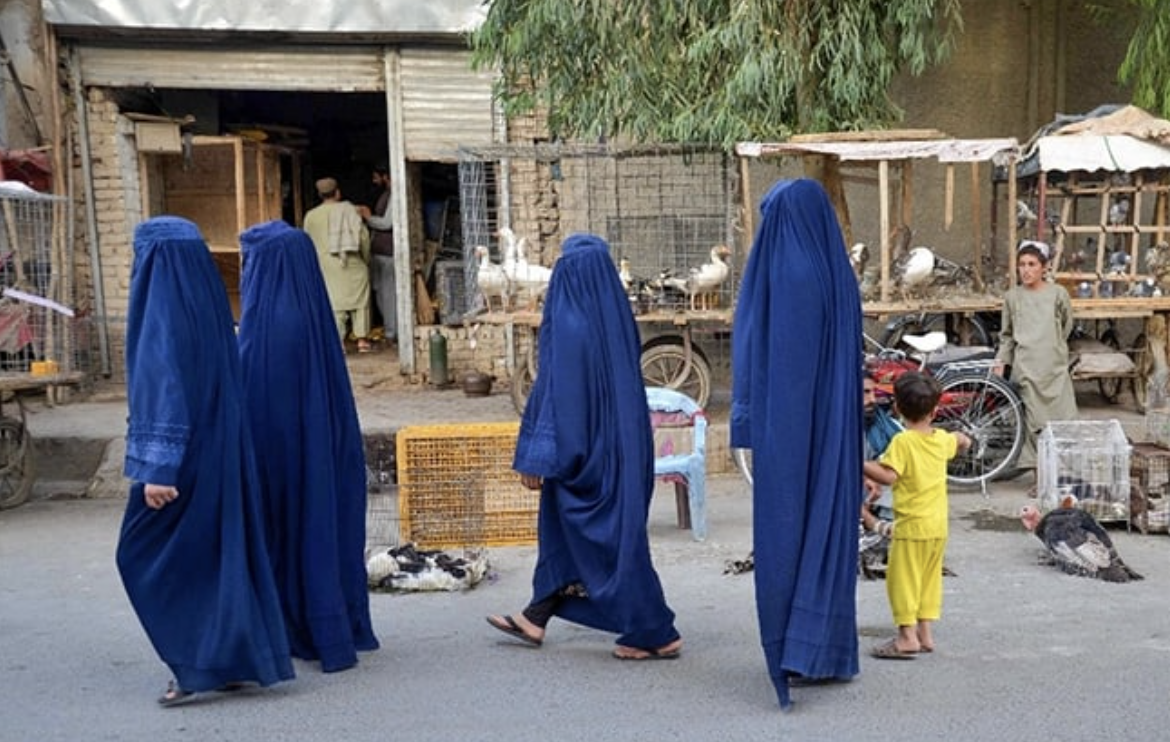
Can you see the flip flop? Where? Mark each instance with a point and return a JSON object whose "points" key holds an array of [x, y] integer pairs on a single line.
{"points": [[890, 651], [640, 654], [174, 695], [508, 625]]}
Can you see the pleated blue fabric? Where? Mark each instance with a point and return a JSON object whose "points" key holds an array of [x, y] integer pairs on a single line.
{"points": [[797, 404], [197, 570], [309, 446], [586, 430]]}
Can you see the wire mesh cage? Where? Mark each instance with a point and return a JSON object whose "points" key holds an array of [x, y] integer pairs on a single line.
{"points": [[668, 214], [1088, 460], [457, 489], [1150, 483], [37, 323]]}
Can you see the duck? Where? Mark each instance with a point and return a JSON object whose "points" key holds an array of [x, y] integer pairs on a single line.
{"points": [[703, 281], [493, 282]]}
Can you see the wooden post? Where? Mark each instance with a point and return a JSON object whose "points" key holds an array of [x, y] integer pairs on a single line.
{"points": [[747, 205], [977, 227], [949, 198], [884, 224]]}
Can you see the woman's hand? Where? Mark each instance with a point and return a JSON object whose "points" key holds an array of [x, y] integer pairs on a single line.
{"points": [[531, 481], [158, 495]]}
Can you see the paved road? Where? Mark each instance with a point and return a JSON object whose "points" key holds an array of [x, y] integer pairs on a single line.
{"points": [[1024, 652]]}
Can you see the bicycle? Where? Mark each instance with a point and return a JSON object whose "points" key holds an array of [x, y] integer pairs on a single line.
{"points": [[974, 401]]}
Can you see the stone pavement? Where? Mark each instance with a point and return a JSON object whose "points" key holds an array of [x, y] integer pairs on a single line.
{"points": [[78, 445]]}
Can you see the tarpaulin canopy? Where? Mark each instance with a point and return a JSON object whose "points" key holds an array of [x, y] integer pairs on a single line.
{"points": [[1109, 138], [944, 150]]}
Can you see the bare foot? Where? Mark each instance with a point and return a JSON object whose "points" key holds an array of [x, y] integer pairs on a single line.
{"points": [[665, 652]]}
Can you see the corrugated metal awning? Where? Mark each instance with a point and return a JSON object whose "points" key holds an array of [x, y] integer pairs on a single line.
{"points": [[270, 16], [445, 103], [322, 68]]}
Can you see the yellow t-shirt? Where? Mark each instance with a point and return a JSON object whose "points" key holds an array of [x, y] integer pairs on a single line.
{"points": [[920, 491]]}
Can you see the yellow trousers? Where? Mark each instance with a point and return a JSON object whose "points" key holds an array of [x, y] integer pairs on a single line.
{"points": [[914, 580]]}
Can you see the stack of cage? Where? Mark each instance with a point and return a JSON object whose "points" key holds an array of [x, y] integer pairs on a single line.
{"points": [[1150, 480], [1089, 460], [452, 293], [36, 320], [457, 489], [665, 210]]}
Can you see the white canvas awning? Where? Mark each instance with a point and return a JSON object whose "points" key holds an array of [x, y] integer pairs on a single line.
{"points": [[943, 150], [1090, 153]]}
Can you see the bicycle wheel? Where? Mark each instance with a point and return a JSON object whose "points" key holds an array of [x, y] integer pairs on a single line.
{"points": [[989, 412], [664, 363], [17, 470], [961, 330]]}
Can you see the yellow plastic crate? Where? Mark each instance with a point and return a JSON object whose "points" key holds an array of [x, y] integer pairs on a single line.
{"points": [[457, 489]]}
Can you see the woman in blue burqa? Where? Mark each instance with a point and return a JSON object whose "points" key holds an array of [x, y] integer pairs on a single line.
{"points": [[191, 551], [309, 446], [585, 442], [797, 404]]}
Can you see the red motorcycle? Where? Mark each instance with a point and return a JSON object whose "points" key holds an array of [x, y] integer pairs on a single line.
{"points": [[975, 401]]}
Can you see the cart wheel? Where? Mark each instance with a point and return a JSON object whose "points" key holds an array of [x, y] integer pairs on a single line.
{"points": [[523, 380], [1141, 376], [664, 364], [16, 463], [1110, 387]]}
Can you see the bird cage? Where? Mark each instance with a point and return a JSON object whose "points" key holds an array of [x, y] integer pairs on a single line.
{"points": [[457, 489], [1150, 478], [37, 325], [1088, 459], [663, 210]]}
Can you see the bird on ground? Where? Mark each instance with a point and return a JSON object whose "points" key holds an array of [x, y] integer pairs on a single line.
{"points": [[624, 274], [913, 271], [526, 278], [1076, 543], [858, 257], [491, 279], [1024, 214], [703, 281]]}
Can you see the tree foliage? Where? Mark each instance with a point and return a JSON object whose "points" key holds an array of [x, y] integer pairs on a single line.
{"points": [[1147, 61], [710, 71]]}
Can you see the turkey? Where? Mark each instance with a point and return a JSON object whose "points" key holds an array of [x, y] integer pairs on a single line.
{"points": [[1077, 544]]}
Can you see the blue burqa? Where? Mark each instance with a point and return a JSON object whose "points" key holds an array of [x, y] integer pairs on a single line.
{"points": [[197, 570], [309, 446], [586, 431], [797, 403]]}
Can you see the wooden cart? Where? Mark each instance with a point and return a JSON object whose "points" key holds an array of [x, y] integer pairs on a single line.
{"points": [[17, 464]]}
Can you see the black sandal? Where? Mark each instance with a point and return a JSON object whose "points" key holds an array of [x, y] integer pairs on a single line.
{"points": [[174, 695]]}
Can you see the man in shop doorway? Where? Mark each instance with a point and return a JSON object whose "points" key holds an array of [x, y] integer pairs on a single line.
{"points": [[343, 249], [382, 253]]}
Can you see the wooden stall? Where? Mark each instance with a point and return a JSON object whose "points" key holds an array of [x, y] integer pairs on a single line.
{"points": [[881, 171], [224, 184]]}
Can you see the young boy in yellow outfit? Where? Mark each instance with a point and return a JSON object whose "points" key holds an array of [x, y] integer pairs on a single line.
{"points": [[915, 464]]}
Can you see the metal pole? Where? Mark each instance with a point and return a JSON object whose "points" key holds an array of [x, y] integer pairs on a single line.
{"points": [[95, 261]]}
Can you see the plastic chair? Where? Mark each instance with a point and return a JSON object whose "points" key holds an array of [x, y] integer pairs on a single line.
{"points": [[675, 417]]}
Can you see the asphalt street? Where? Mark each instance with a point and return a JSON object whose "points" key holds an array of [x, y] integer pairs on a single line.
{"points": [[1024, 651]]}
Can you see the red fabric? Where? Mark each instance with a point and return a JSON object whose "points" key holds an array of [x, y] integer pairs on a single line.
{"points": [[30, 167]]}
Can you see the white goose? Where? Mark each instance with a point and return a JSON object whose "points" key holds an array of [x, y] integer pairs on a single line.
{"points": [[704, 280], [525, 277], [492, 280]]}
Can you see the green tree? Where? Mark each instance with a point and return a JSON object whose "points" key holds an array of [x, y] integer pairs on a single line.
{"points": [[1147, 61], [709, 71]]}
